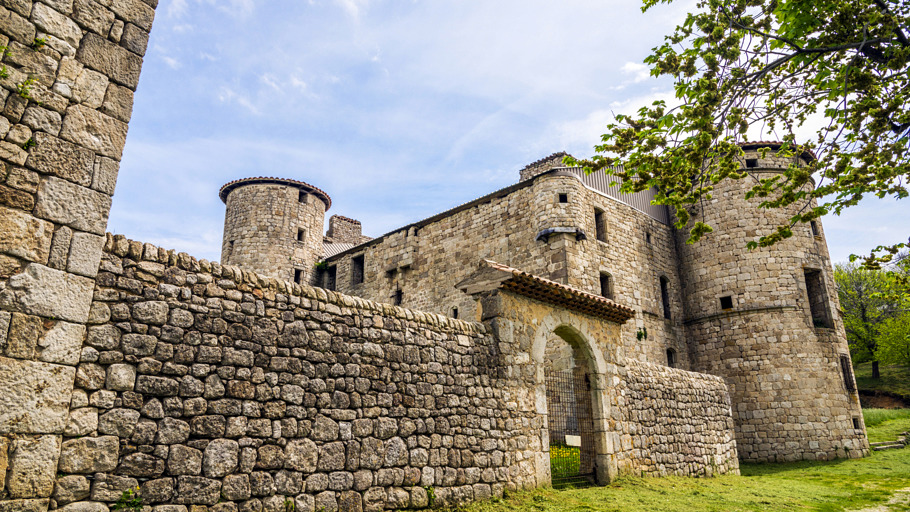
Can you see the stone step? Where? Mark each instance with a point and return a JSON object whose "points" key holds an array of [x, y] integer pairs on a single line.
{"points": [[892, 446], [882, 443]]}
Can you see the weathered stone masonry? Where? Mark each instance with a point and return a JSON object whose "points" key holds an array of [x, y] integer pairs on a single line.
{"points": [[72, 68], [217, 388]]}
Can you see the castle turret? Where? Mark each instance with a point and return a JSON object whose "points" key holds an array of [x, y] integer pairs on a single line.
{"points": [[274, 226], [765, 321]]}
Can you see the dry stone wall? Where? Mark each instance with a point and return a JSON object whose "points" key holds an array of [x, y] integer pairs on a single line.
{"points": [[676, 423], [67, 77], [208, 386]]}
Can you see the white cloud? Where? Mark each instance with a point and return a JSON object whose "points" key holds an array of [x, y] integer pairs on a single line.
{"points": [[171, 62], [176, 8], [354, 8], [228, 95], [639, 72]]}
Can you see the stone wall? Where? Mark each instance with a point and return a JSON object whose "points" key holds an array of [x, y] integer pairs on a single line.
{"points": [[70, 70], [648, 419], [206, 385], [425, 261], [345, 230], [676, 423]]}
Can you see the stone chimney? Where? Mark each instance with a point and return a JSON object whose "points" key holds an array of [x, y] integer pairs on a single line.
{"points": [[543, 165], [343, 229]]}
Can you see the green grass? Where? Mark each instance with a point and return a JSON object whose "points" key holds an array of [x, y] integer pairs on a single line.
{"points": [[833, 486], [894, 379], [564, 460]]}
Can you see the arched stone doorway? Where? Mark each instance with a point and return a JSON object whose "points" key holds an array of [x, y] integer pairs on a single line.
{"points": [[568, 375]]}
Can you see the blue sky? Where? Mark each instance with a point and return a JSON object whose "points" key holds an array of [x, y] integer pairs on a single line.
{"points": [[398, 110]]}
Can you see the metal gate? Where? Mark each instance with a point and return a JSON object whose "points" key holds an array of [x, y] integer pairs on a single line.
{"points": [[571, 426]]}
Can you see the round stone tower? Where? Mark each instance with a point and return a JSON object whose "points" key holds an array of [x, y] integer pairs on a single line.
{"points": [[273, 226], [766, 321]]}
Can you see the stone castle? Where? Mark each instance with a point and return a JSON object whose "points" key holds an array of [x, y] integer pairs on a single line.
{"points": [[432, 366]]}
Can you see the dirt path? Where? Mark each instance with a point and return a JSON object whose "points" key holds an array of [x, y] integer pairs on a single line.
{"points": [[901, 497]]}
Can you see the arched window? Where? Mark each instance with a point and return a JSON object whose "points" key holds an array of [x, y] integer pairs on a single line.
{"points": [[671, 358], [665, 295]]}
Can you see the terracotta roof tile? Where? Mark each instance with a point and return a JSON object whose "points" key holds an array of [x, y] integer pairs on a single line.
{"points": [[306, 187]]}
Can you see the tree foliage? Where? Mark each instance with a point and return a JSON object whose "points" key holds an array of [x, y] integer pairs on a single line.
{"points": [[771, 66], [873, 312]]}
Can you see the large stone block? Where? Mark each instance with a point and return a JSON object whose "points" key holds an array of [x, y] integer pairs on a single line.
{"points": [[85, 254], [94, 130], [56, 24], [35, 396], [16, 26], [39, 505], [90, 455], [50, 293], [62, 343], [78, 207], [93, 16], [32, 470], [119, 64], [25, 236], [57, 157]]}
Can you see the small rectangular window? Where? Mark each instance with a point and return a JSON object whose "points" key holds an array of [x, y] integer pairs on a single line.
{"points": [[751, 162], [298, 275], [600, 225], [563, 198], [454, 312], [648, 237], [726, 302], [301, 197], [856, 424], [814, 226], [398, 298], [847, 371], [301, 234], [357, 269], [606, 286], [671, 358], [330, 274]]}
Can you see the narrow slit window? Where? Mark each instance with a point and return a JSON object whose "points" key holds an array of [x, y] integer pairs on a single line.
{"points": [[357, 269], [726, 302], [665, 296], [563, 198], [330, 274], [818, 299], [671, 358], [606, 286], [814, 226], [648, 237], [751, 163], [398, 298], [298, 275], [301, 234], [847, 372], [454, 312], [600, 225]]}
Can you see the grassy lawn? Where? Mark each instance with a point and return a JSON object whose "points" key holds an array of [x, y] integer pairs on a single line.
{"points": [[841, 485], [895, 379]]}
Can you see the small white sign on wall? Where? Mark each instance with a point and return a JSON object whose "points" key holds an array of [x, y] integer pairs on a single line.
{"points": [[573, 440]]}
